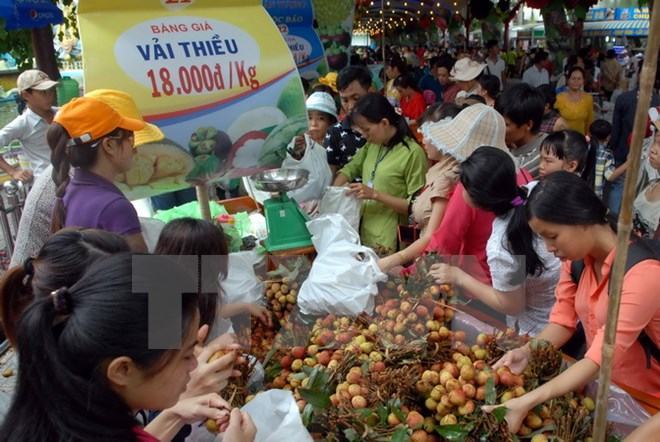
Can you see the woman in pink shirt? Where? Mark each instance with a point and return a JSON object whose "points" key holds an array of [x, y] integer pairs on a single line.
{"points": [[573, 222]]}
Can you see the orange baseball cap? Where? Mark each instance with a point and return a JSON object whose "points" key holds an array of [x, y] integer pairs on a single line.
{"points": [[88, 119]]}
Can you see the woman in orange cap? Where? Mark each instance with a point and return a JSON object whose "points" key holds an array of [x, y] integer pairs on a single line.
{"points": [[97, 141]]}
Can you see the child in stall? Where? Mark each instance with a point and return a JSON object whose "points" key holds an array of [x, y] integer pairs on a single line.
{"points": [[189, 236], [563, 150], [307, 152], [603, 169]]}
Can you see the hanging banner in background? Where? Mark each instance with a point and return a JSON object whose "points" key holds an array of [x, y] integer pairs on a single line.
{"points": [[632, 14], [215, 75], [295, 19], [335, 21]]}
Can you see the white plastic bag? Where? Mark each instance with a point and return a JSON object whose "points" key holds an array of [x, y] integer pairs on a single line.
{"points": [[151, 228], [344, 276], [331, 228], [335, 200], [276, 415], [315, 160], [242, 284]]}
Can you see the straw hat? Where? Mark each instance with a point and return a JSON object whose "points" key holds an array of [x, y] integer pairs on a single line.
{"points": [[124, 104], [475, 126], [466, 69]]}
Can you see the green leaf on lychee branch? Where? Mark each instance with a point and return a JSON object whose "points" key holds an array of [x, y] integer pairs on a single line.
{"points": [[454, 433], [272, 371], [382, 414], [318, 399], [352, 435], [500, 414], [307, 415], [491, 393], [401, 435]]}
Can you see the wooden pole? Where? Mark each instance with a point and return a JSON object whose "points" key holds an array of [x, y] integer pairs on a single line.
{"points": [[44, 51], [203, 199], [647, 78]]}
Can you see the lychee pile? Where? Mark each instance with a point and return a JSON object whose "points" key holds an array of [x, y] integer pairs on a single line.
{"points": [[403, 370], [281, 296]]}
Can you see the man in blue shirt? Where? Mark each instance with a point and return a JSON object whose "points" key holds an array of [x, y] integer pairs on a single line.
{"points": [[429, 82]]}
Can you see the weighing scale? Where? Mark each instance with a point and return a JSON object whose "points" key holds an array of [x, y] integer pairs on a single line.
{"points": [[284, 219]]}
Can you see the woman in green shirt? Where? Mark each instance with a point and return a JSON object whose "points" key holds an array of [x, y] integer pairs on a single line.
{"points": [[391, 166]]}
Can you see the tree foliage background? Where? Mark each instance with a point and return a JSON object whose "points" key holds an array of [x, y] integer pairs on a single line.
{"points": [[18, 43]]}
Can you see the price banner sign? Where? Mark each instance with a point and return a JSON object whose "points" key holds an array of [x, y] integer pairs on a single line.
{"points": [[295, 19], [215, 76]]}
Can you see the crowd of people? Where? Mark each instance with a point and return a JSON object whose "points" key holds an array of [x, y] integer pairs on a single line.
{"points": [[515, 182]]}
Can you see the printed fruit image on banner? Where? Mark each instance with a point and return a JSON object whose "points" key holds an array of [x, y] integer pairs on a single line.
{"points": [[215, 76], [335, 20], [295, 21]]}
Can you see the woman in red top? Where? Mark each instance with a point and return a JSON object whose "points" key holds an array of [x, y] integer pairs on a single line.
{"points": [[574, 224], [412, 101], [90, 346], [464, 230]]}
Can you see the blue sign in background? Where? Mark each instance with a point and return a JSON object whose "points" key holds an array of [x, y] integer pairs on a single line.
{"points": [[29, 14], [631, 14], [295, 19]]}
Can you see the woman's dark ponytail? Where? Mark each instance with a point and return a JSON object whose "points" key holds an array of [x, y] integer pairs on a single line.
{"points": [[60, 262], [15, 295], [66, 339], [489, 177], [58, 139], [520, 236]]}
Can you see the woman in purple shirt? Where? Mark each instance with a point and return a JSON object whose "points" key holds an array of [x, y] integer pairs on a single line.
{"points": [[97, 141]]}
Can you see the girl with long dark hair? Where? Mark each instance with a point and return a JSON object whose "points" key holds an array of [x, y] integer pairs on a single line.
{"points": [[524, 275], [391, 166], [576, 227], [90, 136], [85, 363], [59, 263], [189, 236]]}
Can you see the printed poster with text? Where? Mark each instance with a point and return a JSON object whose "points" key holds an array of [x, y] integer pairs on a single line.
{"points": [[295, 19], [215, 75], [335, 21]]}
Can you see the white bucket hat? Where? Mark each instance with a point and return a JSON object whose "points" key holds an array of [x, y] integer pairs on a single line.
{"points": [[475, 126], [466, 69], [654, 116], [322, 102]]}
